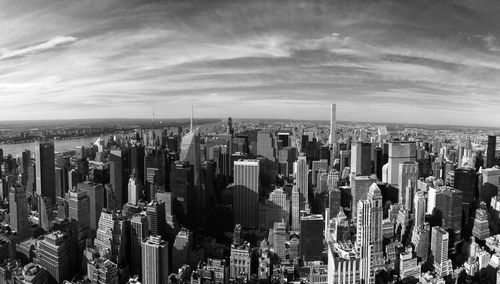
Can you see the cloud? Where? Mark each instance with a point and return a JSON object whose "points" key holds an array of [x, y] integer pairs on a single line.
{"points": [[491, 43], [33, 49]]}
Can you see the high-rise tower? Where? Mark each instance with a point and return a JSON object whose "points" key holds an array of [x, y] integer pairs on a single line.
{"points": [[45, 170], [333, 127]]}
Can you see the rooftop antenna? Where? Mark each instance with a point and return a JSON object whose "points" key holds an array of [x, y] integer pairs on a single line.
{"points": [[191, 126]]}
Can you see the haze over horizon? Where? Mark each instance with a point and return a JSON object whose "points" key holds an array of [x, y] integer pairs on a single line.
{"points": [[417, 61]]}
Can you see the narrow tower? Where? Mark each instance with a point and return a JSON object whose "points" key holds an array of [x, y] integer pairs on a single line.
{"points": [[332, 138]]}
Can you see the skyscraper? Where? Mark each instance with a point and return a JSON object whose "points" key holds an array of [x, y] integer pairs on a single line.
{"points": [[279, 207], [54, 252], [399, 152], [439, 250], [361, 158], [18, 212], [490, 151], [79, 218], [190, 152], [333, 125], [295, 214], [156, 218], [183, 190], [311, 239], [481, 229], [95, 193], [45, 169], [265, 145], [279, 239], [138, 232], [369, 233], [110, 239], [420, 205], [181, 248], [360, 186], [407, 183], [119, 175], [246, 193], [155, 266], [301, 172], [134, 189]]}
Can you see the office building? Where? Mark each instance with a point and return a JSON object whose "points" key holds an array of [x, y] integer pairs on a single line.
{"points": [[266, 145], [311, 239], [420, 208], [190, 152], [490, 151], [439, 251], [139, 228], [407, 183], [181, 248], [361, 158], [183, 190], [18, 212], [246, 193], [95, 192], [103, 271], [481, 229], [359, 190], [295, 214], [155, 211], [317, 166], [399, 152], [45, 169], [110, 238], [279, 239], [279, 207], [54, 256], [465, 180], [408, 266], [155, 266], [79, 218], [301, 172], [119, 175]]}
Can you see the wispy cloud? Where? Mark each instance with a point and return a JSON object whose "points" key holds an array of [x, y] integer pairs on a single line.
{"points": [[261, 58], [33, 49]]}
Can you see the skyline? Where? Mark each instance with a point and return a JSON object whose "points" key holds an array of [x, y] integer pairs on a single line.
{"points": [[418, 62]]}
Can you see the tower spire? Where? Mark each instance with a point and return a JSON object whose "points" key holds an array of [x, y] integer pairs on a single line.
{"points": [[191, 125]]}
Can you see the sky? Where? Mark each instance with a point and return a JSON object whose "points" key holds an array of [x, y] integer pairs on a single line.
{"points": [[420, 61]]}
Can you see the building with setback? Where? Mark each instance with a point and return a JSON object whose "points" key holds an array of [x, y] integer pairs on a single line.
{"points": [[155, 266]]}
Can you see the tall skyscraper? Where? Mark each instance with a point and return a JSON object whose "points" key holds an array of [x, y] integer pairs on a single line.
{"points": [[18, 212], [361, 158], [246, 193], [407, 183], [420, 205], [481, 229], [134, 189], [95, 193], [190, 152], [155, 266], [119, 175], [79, 218], [439, 250], [45, 169], [369, 233], [301, 172], [311, 239], [490, 151], [156, 218], [295, 226], [333, 125], [138, 232], [399, 152]]}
